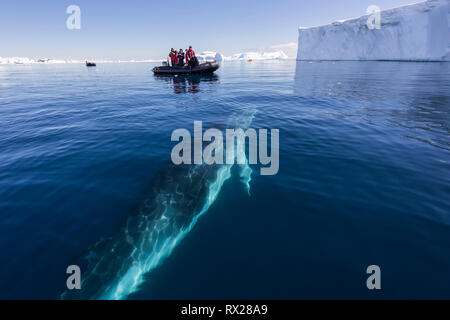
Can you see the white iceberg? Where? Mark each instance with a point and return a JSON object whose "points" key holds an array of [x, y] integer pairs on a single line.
{"points": [[16, 60], [277, 55], [202, 57], [21, 60], [209, 56], [417, 32], [212, 55]]}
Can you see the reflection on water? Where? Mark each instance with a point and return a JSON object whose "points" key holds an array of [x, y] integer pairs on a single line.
{"points": [[372, 80], [183, 84], [406, 94]]}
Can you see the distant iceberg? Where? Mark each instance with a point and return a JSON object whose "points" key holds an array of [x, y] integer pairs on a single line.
{"points": [[211, 55], [16, 60], [21, 60], [277, 55], [417, 32], [204, 56]]}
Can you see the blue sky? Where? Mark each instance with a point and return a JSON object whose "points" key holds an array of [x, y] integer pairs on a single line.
{"points": [[146, 29]]}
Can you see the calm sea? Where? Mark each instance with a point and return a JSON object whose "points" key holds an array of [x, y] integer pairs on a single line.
{"points": [[364, 179]]}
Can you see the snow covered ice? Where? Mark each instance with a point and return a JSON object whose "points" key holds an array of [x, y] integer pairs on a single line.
{"points": [[202, 57], [277, 55], [209, 56], [417, 32], [23, 60], [16, 60], [260, 55]]}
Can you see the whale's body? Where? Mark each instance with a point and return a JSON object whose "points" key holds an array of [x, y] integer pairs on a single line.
{"points": [[180, 194]]}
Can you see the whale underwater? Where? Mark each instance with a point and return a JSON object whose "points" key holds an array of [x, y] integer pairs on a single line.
{"points": [[115, 267]]}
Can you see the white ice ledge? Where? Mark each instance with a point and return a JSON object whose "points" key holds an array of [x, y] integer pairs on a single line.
{"points": [[23, 60], [245, 56], [204, 56], [417, 32]]}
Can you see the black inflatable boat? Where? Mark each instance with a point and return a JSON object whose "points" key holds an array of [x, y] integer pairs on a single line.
{"points": [[204, 68]]}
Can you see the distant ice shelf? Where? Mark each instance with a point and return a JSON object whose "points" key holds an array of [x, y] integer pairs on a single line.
{"points": [[24, 60], [204, 56], [416, 32], [244, 56], [276, 55]]}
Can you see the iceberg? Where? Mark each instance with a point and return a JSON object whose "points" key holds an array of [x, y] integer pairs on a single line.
{"points": [[21, 60], [261, 55], [16, 60], [416, 32], [277, 55], [209, 56], [202, 57]]}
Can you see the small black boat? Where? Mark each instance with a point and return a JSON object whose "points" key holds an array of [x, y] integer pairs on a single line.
{"points": [[204, 68], [90, 64]]}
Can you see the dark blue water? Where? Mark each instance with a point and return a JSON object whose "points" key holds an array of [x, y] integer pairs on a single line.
{"points": [[364, 177]]}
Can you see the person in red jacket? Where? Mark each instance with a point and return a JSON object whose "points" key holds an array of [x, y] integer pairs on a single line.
{"points": [[191, 58], [190, 54], [172, 56], [175, 59]]}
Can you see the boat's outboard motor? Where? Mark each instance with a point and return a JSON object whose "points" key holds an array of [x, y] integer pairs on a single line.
{"points": [[193, 62]]}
